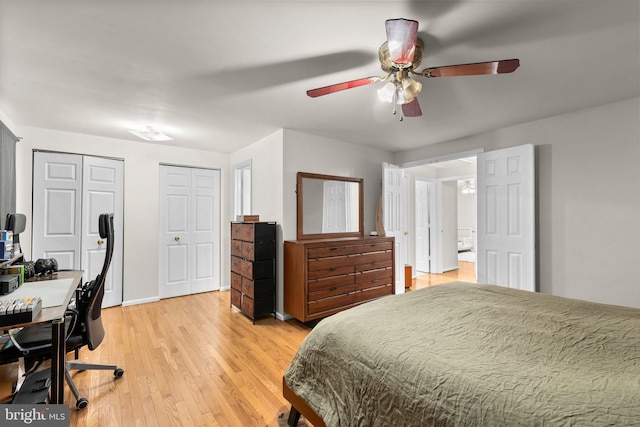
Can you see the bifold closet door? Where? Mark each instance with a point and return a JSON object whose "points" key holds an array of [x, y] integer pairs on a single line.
{"points": [[189, 255], [69, 192]]}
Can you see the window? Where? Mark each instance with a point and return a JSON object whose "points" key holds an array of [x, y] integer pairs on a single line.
{"points": [[242, 189]]}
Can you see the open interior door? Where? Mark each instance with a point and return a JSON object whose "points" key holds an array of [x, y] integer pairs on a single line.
{"points": [[506, 217], [394, 213]]}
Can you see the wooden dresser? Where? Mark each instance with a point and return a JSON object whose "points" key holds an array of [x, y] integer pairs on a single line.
{"points": [[325, 276], [253, 267]]}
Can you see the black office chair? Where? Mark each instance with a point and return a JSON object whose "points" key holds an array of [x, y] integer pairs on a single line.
{"points": [[83, 324], [17, 223]]}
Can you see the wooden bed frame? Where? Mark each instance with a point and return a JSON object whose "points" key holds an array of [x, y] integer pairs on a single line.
{"points": [[298, 407]]}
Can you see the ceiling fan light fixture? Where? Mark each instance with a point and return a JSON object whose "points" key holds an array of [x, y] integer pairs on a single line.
{"points": [[403, 98], [387, 92], [401, 39], [411, 88]]}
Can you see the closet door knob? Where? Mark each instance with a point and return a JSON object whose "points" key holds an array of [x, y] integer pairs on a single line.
{"points": [[100, 242], [177, 238]]}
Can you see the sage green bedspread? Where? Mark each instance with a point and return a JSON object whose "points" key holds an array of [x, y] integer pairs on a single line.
{"points": [[473, 355]]}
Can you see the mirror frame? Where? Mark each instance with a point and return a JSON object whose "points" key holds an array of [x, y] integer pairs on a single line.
{"points": [[299, 199]]}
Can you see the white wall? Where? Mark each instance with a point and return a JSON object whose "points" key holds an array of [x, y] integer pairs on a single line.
{"points": [[266, 158], [309, 153], [588, 197], [141, 202]]}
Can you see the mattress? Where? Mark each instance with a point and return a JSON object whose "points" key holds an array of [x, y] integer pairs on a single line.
{"points": [[478, 355]]}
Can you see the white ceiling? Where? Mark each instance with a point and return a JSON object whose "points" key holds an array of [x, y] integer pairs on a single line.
{"points": [[220, 75]]}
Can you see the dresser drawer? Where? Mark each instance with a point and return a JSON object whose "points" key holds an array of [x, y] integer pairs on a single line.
{"points": [[375, 247], [374, 261], [259, 288], [236, 231], [253, 231], [236, 265], [332, 251], [236, 298], [255, 270], [336, 271], [372, 293], [259, 250], [326, 304], [331, 282], [258, 306], [332, 263], [247, 305], [236, 281], [330, 292], [374, 278], [236, 248]]}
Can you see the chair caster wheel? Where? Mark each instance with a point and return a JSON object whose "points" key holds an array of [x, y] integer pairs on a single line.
{"points": [[119, 372], [82, 403]]}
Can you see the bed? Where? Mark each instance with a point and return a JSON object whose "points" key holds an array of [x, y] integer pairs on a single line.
{"points": [[465, 354], [465, 239]]}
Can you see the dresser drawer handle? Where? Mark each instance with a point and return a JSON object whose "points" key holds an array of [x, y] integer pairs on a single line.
{"points": [[332, 269], [333, 289]]}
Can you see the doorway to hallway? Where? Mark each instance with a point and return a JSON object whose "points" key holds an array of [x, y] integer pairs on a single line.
{"points": [[466, 272]]}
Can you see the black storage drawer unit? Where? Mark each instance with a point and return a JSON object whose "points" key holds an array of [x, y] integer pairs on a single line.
{"points": [[253, 268]]}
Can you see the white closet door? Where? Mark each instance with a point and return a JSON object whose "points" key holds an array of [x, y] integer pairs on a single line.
{"points": [[57, 191], [189, 231], [102, 193], [506, 217], [205, 232], [70, 191]]}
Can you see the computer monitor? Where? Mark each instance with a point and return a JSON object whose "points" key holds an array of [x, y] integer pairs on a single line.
{"points": [[17, 223]]}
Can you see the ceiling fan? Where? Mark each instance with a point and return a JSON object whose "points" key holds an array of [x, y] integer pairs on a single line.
{"points": [[400, 56]]}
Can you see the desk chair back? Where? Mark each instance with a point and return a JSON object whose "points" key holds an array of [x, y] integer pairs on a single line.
{"points": [[90, 301], [17, 223]]}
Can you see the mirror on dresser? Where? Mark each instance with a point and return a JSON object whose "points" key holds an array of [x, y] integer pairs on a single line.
{"points": [[329, 206]]}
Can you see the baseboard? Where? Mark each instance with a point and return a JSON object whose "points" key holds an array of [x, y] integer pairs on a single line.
{"points": [[140, 301], [283, 316]]}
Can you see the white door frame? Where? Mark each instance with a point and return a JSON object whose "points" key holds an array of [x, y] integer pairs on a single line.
{"points": [[424, 261], [395, 212]]}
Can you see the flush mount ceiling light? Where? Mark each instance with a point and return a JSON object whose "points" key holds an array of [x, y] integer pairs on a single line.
{"points": [[151, 134]]}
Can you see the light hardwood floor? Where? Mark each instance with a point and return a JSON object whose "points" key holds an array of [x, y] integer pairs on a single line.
{"points": [[188, 361], [466, 272], [192, 361]]}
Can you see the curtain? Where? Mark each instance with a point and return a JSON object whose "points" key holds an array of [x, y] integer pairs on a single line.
{"points": [[7, 172]]}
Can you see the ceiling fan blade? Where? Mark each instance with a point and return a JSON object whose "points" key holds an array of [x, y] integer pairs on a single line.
{"points": [[313, 93], [412, 109], [478, 68]]}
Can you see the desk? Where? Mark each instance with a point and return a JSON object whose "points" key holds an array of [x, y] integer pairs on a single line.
{"points": [[54, 315]]}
